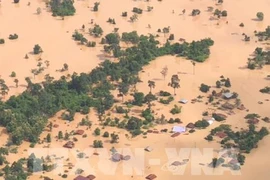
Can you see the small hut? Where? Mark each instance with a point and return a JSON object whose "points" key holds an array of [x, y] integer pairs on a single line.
{"points": [[151, 176], [79, 132], [91, 177], [55, 125], [69, 144], [150, 131]]}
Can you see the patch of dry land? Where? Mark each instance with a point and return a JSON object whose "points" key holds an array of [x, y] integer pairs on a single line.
{"points": [[88, 92]]}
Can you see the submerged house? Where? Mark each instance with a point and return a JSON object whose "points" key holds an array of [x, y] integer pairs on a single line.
{"points": [[151, 176], [69, 144]]}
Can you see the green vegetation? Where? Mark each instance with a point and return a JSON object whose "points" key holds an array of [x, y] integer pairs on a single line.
{"points": [[263, 35], [13, 36], [204, 88], [97, 144], [201, 124], [138, 99], [260, 16], [175, 82], [176, 109], [62, 8], [260, 59], [97, 31], [26, 115], [245, 140], [166, 101]]}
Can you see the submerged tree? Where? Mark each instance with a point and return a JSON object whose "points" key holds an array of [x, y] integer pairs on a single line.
{"points": [[175, 82], [96, 5], [151, 85], [164, 72], [62, 7]]}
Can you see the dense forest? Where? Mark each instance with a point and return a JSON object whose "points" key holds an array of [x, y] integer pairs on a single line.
{"points": [[26, 115]]}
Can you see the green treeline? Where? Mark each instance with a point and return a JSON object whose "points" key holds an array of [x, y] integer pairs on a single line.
{"points": [[25, 116]]}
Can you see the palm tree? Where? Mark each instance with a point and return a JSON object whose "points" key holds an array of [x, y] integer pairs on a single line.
{"points": [[151, 84], [175, 82], [194, 64], [16, 82]]}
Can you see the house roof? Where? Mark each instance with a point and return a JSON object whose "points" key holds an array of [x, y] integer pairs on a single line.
{"points": [[91, 177], [179, 129], [79, 132], [228, 95], [151, 176], [117, 157], [175, 134], [184, 101], [190, 125], [148, 148], [69, 144], [80, 177]]}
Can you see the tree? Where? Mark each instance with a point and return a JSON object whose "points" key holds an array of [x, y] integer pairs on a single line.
{"points": [[97, 31], [123, 89], [38, 10], [37, 49], [112, 38], [151, 84], [204, 88], [97, 144], [134, 17], [66, 136], [114, 138], [260, 16], [62, 8], [13, 74], [175, 82], [48, 138], [96, 5], [227, 83], [106, 134], [164, 72], [50, 126], [97, 131], [16, 81], [218, 84], [60, 135], [138, 98], [16, 1]]}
